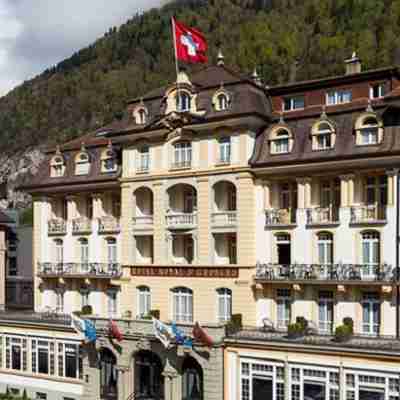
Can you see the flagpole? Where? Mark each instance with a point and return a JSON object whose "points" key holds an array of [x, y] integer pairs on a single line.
{"points": [[176, 58]]}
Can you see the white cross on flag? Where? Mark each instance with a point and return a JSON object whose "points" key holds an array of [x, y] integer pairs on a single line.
{"points": [[190, 44]]}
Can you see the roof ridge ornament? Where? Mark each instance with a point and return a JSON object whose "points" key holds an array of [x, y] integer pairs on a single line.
{"points": [[323, 113], [220, 58], [369, 107], [256, 78], [58, 151], [83, 148]]}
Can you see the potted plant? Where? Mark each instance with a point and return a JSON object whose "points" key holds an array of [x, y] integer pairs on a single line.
{"points": [[234, 324], [87, 310], [155, 314], [298, 329], [345, 331]]}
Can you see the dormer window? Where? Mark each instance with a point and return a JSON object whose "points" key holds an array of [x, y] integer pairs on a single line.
{"points": [[222, 102], [183, 101], [323, 136], [293, 103], [377, 91], [369, 131], [281, 141], [140, 115], [57, 166], [82, 163], [338, 97], [109, 160]]}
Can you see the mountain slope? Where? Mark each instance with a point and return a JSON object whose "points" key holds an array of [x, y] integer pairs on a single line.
{"points": [[286, 39]]}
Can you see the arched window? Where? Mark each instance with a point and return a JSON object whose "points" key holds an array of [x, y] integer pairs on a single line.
{"points": [[370, 253], [183, 101], [192, 380], [325, 248], [369, 130], [84, 254], [82, 163], [224, 297], [108, 375], [109, 161], [182, 155], [323, 136], [224, 150], [281, 141], [143, 301], [182, 305], [57, 166], [222, 102]]}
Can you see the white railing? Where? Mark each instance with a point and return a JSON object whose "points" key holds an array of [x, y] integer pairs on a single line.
{"points": [[85, 269], [80, 225], [280, 216], [57, 226], [143, 220], [181, 219], [322, 215], [368, 213], [109, 224], [224, 218]]}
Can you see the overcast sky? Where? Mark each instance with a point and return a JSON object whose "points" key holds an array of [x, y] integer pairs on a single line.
{"points": [[36, 34]]}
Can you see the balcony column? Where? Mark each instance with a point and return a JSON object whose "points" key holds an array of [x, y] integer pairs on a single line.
{"points": [[195, 248], [347, 190], [303, 192], [169, 238], [342, 383], [72, 209], [205, 199], [159, 211], [127, 242], [3, 266], [286, 370], [171, 382], [392, 186], [267, 195]]}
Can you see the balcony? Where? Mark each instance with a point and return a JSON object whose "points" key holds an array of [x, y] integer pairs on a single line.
{"points": [[81, 225], [57, 226], [322, 216], [181, 164], [278, 217], [224, 219], [143, 222], [86, 270], [46, 318], [109, 224], [329, 273], [369, 214], [181, 220]]}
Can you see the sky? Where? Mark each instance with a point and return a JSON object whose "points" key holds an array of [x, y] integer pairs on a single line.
{"points": [[37, 34]]}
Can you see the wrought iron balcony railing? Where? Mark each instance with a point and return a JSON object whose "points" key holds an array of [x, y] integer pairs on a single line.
{"points": [[81, 225], [322, 215], [369, 213], [181, 220], [326, 272], [224, 218], [280, 216], [93, 270], [57, 226], [109, 224], [144, 220], [181, 164]]}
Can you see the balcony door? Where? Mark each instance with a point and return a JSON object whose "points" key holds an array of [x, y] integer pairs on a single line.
{"points": [[189, 201], [262, 388], [283, 249]]}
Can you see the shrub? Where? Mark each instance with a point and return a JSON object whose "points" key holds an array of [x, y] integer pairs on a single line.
{"points": [[303, 322], [349, 322], [295, 330], [343, 333], [155, 314], [87, 310], [235, 323]]}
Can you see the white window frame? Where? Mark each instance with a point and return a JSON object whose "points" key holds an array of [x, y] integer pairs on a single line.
{"points": [[59, 251], [49, 346], [381, 91], [325, 243], [371, 305], [224, 305], [183, 101], [143, 301], [112, 303], [323, 137], [112, 251], [22, 343], [182, 305], [325, 307], [336, 97], [60, 300], [82, 166], [84, 254], [182, 155], [283, 307], [292, 103], [370, 247], [62, 351], [222, 102], [143, 162], [281, 144], [369, 134], [225, 150], [85, 297]]}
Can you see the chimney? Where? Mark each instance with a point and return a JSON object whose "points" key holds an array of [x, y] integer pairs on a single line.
{"points": [[220, 59], [353, 64]]}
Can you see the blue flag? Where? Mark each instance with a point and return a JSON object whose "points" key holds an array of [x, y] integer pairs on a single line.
{"points": [[178, 334], [90, 331]]}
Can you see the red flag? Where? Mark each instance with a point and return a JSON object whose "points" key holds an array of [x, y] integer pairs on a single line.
{"points": [[190, 44], [201, 335], [114, 331]]}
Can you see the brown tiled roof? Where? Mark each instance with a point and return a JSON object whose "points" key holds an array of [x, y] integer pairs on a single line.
{"points": [[345, 146]]}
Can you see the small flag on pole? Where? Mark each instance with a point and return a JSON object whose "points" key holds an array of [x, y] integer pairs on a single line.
{"points": [[84, 327], [201, 335], [162, 332], [190, 44], [114, 331]]}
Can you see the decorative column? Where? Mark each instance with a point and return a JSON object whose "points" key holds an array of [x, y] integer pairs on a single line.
{"points": [[342, 382], [300, 193], [195, 248], [71, 207], [3, 267], [123, 384], [205, 198], [286, 369], [267, 195], [392, 186], [159, 212], [170, 384], [347, 190], [169, 247], [126, 237]]}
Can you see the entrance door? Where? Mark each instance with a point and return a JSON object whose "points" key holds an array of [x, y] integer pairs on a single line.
{"points": [[108, 376], [262, 388], [149, 381]]}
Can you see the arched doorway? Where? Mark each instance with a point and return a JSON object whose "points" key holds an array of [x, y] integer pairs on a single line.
{"points": [[192, 380], [108, 375], [149, 380]]}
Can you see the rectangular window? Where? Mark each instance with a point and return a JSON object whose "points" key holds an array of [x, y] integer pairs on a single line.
{"points": [[12, 266], [60, 301], [283, 307], [144, 300], [112, 303], [183, 306], [377, 91], [338, 97], [293, 103], [325, 311], [281, 146], [324, 141], [85, 298], [69, 362], [225, 150], [182, 155], [224, 305], [16, 353], [371, 313], [144, 159]]}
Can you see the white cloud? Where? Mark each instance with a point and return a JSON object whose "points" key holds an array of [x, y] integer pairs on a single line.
{"points": [[36, 34]]}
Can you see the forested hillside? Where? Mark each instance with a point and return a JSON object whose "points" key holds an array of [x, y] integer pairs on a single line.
{"points": [[286, 39]]}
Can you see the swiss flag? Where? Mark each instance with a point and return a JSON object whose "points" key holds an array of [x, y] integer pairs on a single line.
{"points": [[190, 44]]}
